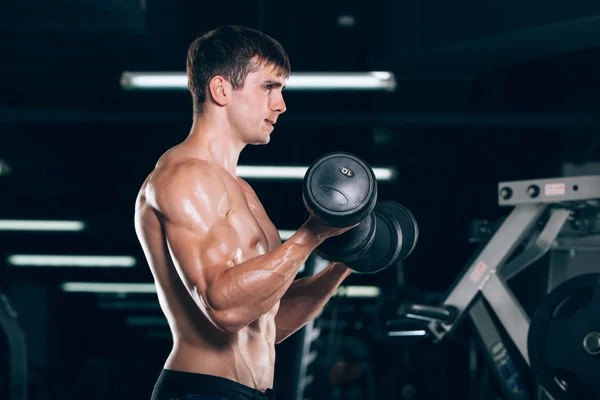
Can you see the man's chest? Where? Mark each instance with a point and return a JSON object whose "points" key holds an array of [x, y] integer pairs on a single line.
{"points": [[248, 216]]}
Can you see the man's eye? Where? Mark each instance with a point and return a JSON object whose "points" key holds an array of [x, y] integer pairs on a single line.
{"points": [[269, 87]]}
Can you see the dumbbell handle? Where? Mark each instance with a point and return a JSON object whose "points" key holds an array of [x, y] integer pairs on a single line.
{"points": [[428, 313]]}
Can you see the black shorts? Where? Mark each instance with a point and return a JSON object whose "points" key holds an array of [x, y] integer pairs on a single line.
{"points": [[177, 385]]}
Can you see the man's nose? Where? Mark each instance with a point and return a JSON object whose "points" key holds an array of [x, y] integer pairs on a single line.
{"points": [[279, 106]]}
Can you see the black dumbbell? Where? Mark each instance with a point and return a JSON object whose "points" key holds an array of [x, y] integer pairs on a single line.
{"points": [[340, 189]]}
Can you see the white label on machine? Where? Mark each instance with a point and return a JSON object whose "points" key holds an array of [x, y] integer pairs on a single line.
{"points": [[554, 189], [478, 272]]}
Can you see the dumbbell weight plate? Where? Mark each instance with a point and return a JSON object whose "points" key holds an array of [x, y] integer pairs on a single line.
{"points": [[395, 238], [339, 189], [409, 230], [384, 249]]}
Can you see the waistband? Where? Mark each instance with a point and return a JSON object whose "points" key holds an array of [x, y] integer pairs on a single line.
{"points": [[210, 385]]}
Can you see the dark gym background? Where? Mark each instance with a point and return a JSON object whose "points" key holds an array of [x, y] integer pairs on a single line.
{"points": [[487, 91]]}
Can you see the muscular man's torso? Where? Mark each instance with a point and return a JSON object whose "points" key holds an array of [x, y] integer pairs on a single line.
{"points": [[247, 356]]}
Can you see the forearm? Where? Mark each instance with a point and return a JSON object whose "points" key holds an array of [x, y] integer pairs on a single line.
{"points": [[306, 297], [241, 294]]}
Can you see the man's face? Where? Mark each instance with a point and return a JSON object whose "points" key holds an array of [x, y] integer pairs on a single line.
{"points": [[256, 107]]}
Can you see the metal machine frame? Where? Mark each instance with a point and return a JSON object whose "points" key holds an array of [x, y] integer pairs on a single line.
{"points": [[17, 351], [484, 282]]}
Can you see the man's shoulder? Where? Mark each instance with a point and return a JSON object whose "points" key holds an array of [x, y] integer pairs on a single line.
{"points": [[182, 173], [177, 185], [185, 172]]}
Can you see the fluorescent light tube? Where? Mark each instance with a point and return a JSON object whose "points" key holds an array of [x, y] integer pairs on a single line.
{"points": [[408, 333], [357, 291], [317, 81], [154, 80], [377, 80], [40, 225], [279, 172], [37, 260], [106, 287]]}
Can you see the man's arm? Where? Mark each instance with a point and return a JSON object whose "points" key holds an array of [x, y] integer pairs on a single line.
{"points": [[192, 203], [306, 297]]}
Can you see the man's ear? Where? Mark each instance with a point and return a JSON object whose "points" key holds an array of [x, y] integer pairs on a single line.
{"points": [[220, 90]]}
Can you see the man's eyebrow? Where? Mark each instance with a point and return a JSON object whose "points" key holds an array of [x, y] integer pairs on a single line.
{"points": [[274, 83]]}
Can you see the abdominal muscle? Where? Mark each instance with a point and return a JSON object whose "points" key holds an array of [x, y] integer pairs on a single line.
{"points": [[246, 357]]}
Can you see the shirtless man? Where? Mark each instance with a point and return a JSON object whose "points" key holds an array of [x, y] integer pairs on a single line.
{"points": [[225, 282]]}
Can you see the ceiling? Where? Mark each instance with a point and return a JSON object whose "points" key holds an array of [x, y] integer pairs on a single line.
{"points": [[487, 91]]}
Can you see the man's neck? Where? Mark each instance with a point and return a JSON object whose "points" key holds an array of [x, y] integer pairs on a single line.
{"points": [[214, 137]]}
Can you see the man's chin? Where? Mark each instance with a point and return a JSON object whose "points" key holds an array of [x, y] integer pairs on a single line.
{"points": [[261, 141]]}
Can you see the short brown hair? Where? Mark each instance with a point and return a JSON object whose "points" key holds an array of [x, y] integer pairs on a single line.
{"points": [[232, 52]]}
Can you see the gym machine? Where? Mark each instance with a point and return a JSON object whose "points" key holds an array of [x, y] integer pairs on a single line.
{"points": [[560, 342], [14, 360]]}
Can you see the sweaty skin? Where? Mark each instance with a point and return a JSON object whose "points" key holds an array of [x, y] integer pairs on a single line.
{"points": [[197, 224], [220, 269]]}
